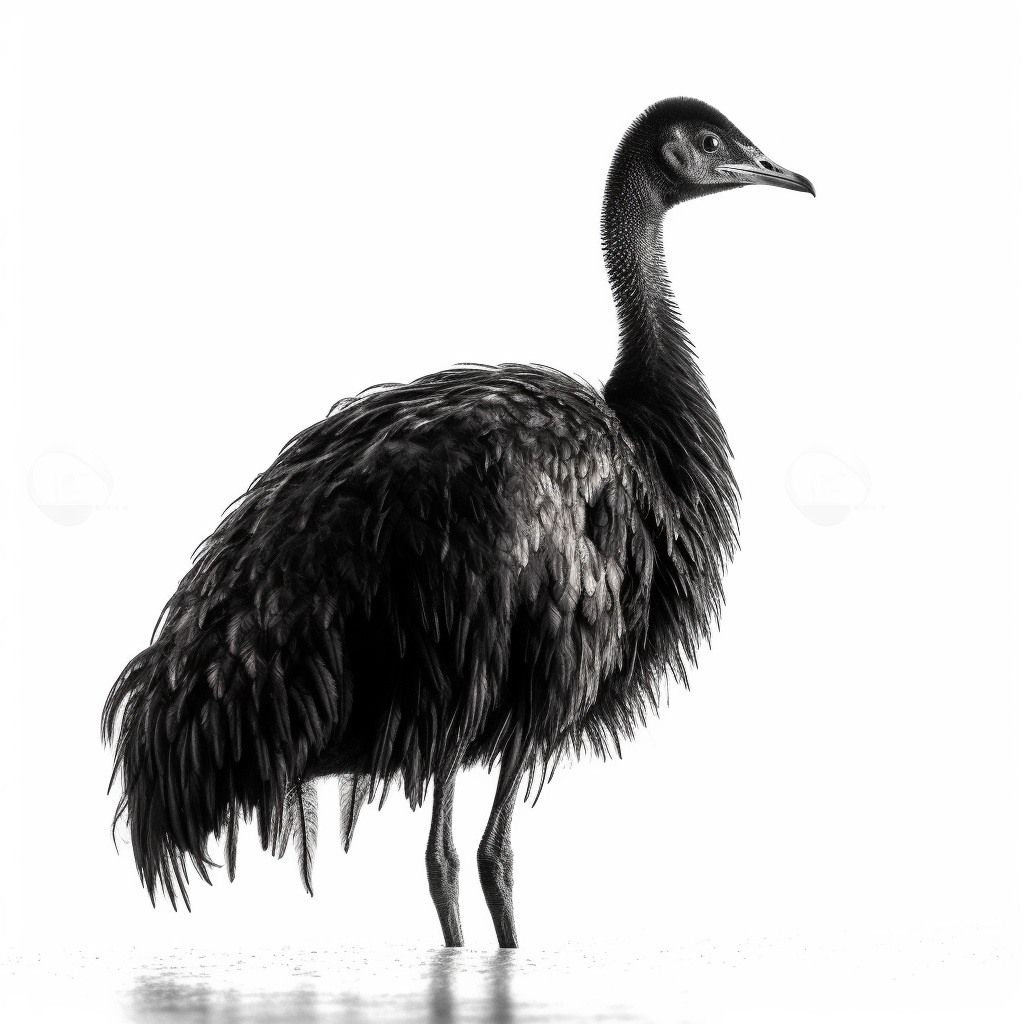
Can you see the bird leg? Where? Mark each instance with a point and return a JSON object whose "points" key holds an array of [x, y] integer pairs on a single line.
{"points": [[443, 861], [494, 857]]}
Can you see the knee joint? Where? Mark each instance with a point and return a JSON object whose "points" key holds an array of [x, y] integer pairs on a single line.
{"points": [[443, 862], [496, 864]]}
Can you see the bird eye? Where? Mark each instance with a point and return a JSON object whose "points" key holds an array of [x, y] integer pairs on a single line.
{"points": [[710, 143]]}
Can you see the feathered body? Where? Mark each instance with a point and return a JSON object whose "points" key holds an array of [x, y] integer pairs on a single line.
{"points": [[479, 562], [487, 563]]}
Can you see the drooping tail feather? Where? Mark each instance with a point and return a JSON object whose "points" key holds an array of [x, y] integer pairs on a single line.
{"points": [[218, 719], [231, 843], [300, 822], [353, 792]]}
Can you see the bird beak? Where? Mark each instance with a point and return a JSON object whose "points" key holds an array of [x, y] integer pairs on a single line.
{"points": [[764, 172]]}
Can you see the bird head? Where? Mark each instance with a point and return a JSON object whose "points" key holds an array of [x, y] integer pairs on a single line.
{"points": [[693, 150]]}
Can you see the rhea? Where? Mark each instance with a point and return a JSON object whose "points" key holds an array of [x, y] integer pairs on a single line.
{"points": [[490, 565]]}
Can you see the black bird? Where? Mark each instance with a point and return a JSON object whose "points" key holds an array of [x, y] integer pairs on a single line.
{"points": [[490, 565]]}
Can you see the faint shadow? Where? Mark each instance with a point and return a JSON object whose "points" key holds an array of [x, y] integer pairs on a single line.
{"points": [[448, 965], [165, 997], [501, 967], [443, 967], [449, 990]]}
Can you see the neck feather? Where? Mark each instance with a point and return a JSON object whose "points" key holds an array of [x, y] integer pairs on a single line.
{"points": [[656, 387], [649, 326]]}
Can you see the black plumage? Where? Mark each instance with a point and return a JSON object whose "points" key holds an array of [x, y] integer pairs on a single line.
{"points": [[490, 565]]}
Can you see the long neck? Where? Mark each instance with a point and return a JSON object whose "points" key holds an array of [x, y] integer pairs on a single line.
{"points": [[650, 332], [656, 387]]}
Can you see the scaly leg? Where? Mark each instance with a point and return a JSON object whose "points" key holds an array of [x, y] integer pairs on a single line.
{"points": [[494, 858], [443, 861]]}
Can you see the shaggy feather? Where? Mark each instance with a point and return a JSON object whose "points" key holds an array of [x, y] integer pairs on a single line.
{"points": [[353, 791], [231, 845], [300, 821]]}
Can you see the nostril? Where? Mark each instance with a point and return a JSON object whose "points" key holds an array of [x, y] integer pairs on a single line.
{"points": [[767, 165]]}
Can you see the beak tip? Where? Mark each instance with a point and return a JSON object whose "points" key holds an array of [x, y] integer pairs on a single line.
{"points": [[808, 186]]}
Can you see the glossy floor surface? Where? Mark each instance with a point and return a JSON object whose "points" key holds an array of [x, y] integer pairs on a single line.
{"points": [[789, 979]]}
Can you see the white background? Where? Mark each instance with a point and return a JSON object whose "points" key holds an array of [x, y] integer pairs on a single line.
{"points": [[220, 218]]}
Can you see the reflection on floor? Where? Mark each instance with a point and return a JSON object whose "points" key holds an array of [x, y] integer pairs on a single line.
{"points": [[170, 994], [852, 979]]}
